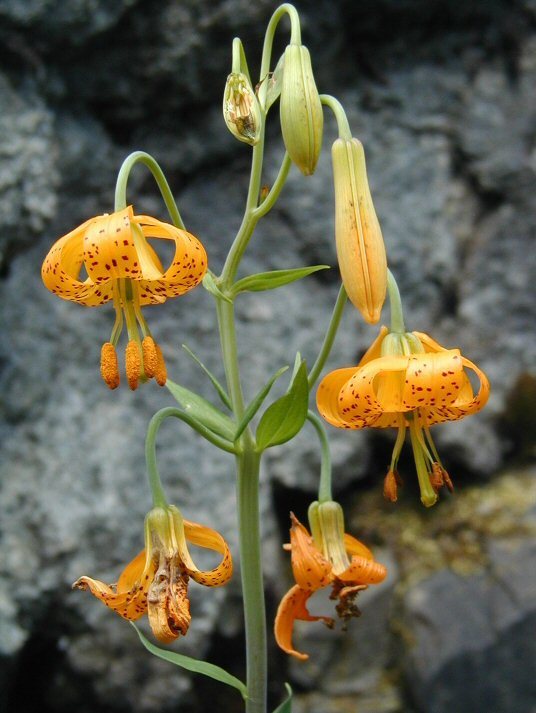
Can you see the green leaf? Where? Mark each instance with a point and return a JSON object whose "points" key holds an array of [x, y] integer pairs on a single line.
{"points": [[209, 283], [276, 278], [255, 405], [285, 417], [203, 411], [286, 706], [190, 664], [215, 383]]}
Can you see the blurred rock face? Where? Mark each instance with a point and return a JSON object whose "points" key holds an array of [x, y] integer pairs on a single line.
{"points": [[442, 98]]}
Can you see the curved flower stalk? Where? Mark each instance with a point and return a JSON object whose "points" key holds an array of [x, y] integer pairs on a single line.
{"points": [[156, 580], [122, 265], [405, 381], [330, 557]]}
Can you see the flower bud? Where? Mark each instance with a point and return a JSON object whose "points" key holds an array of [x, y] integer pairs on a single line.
{"points": [[302, 119], [360, 248], [241, 109]]}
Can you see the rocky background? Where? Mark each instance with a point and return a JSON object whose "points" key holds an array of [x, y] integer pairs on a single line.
{"points": [[442, 95]]}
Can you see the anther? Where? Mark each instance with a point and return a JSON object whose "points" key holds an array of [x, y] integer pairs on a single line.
{"points": [[439, 477], [390, 485], [150, 357], [133, 364], [109, 367], [160, 374]]}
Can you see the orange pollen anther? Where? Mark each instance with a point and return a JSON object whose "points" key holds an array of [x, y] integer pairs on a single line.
{"points": [[109, 367], [150, 357], [133, 364], [390, 485], [160, 374]]}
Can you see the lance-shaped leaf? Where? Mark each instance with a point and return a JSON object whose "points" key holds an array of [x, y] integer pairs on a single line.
{"points": [[203, 411], [255, 405], [215, 383], [209, 283], [286, 706], [285, 417], [190, 664], [276, 278]]}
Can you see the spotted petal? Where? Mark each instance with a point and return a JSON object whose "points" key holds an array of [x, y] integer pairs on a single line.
{"points": [[310, 568], [292, 607], [129, 599], [212, 540], [363, 570]]}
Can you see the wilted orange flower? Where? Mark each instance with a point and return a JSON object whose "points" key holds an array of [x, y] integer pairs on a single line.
{"points": [[156, 580], [110, 258], [332, 558], [413, 385]]}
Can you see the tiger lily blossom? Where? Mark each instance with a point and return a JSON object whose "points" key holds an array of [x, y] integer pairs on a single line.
{"points": [[330, 557], [156, 580], [122, 265], [405, 381]]}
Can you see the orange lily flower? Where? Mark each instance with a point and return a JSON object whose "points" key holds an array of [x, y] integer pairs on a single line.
{"points": [[156, 580], [405, 381], [121, 265], [330, 558]]}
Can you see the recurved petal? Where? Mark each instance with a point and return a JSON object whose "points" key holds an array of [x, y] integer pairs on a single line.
{"points": [[189, 263], [328, 395], [292, 607], [61, 270], [465, 403], [433, 379], [133, 572], [131, 604], [356, 547], [363, 570], [359, 402], [375, 349], [429, 344], [310, 568], [212, 540]]}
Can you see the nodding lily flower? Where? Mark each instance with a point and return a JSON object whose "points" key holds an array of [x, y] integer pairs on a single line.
{"points": [[121, 265], [156, 580], [329, 558], [405, 381]]}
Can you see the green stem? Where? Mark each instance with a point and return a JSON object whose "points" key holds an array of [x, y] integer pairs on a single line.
{"points": [[157, 491], [248, 463], [334, 323], [248, 466], [397, 314], [324, 486], [249, 220], [273, 195], [153, 475], [122, 180], [340, 115]]}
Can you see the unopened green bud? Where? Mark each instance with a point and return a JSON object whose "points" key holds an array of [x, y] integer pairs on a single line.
{"points": [[241, 109], [302, 120]]}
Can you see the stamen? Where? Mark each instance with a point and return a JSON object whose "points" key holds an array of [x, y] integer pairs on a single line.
{"points": [[150, 356], [160, 374], [109, 367], [390, 485], [133, 364]]}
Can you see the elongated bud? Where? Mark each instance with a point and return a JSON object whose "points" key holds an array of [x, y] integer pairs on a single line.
{"points": [[360, 247], [241, 109], [302, 120]]}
